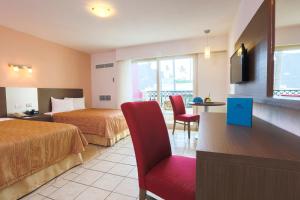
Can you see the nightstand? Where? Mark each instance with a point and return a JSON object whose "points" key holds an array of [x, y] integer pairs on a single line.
{"points": [[39, 117]]}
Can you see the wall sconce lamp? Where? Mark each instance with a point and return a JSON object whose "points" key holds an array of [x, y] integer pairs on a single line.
{"points": [[17, 68]]}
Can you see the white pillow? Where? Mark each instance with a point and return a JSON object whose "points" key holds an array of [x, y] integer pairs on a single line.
{"points": [[5, 119], [61, 105], [78, 103]]}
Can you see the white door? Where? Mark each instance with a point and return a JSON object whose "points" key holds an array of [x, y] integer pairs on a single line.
{"points": [[104, 86]]}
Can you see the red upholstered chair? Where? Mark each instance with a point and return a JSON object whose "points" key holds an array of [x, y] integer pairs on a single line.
{"points": [[180, 114], [170, 177]]}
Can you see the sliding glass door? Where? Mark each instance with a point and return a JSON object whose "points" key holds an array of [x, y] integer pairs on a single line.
{"points": [[157, 79], [176, 78]]}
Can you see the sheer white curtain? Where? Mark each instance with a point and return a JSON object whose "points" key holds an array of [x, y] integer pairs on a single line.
{"points": [[195, 74], [124, 82], [195, 80]]}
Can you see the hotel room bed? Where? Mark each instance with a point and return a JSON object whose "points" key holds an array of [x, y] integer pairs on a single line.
{"points": [[33, 153], [100, 126]]}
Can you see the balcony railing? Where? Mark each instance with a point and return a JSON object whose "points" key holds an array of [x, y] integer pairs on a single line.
{"points": [[287, 93], [187, 96]]}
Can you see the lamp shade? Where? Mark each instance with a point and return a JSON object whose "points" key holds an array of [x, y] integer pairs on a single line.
{"points": [[207, 52]]}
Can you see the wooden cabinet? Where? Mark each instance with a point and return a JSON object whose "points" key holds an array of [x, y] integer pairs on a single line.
{"points": [[240, 163]]}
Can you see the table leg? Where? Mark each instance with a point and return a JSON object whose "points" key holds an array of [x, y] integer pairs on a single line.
{"points": [[206, 108]]}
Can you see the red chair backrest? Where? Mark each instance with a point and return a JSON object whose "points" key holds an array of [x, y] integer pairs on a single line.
{"points": [[149, 135], [177, 105]]}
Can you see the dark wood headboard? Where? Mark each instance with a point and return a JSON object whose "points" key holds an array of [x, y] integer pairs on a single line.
{"points": [[3, 111], [45, 94]]}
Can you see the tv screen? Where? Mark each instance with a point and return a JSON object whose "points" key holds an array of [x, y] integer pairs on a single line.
{"points": [[239, 66]]}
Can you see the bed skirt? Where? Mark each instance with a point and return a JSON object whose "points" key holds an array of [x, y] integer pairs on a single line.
{"points": [[103, 141], [32, 182]]}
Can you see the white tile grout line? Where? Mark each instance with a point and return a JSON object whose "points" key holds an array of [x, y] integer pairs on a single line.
{"points": [[116, 162]]}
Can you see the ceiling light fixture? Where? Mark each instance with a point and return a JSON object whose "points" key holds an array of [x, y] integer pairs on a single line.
{"points": [[102, 10], [207, 50]]}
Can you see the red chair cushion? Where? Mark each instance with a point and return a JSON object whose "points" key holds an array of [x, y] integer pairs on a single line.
{"points": [[173, 178], [187, 118]]}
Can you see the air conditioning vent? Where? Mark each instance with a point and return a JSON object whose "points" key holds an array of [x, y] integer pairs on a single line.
{"points": [[105, 97], [104, 65]]}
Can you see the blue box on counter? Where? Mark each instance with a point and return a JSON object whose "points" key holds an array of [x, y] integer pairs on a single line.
{"points": [[239, 111]]}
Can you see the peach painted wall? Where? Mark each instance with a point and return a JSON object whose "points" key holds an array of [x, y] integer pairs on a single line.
{"points": [[54, 66]]}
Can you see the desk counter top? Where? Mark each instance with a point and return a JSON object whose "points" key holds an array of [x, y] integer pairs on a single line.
{"points": [[263, 140]]}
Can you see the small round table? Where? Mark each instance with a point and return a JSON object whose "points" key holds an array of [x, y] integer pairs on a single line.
{"points": [[207, 104], [206, 107]]}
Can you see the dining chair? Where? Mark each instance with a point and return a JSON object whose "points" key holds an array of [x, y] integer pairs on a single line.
{"points": [[180, 115], [169, 176]]}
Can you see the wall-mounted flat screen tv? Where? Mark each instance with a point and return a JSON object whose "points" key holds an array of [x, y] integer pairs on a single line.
{"points": [[239, 71]]}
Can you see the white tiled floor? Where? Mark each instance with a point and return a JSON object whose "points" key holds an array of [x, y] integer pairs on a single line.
{"points": [[110, 175], [108, 182]]}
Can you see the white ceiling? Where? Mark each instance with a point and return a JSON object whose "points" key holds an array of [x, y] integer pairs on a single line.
{"points": [[68, 22]]}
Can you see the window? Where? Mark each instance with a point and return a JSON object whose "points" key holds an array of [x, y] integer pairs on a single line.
{"points": [[287, 72], [157, 79]]}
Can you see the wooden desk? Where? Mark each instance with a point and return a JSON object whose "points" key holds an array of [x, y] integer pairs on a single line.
{"points": [[239, 163]]}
